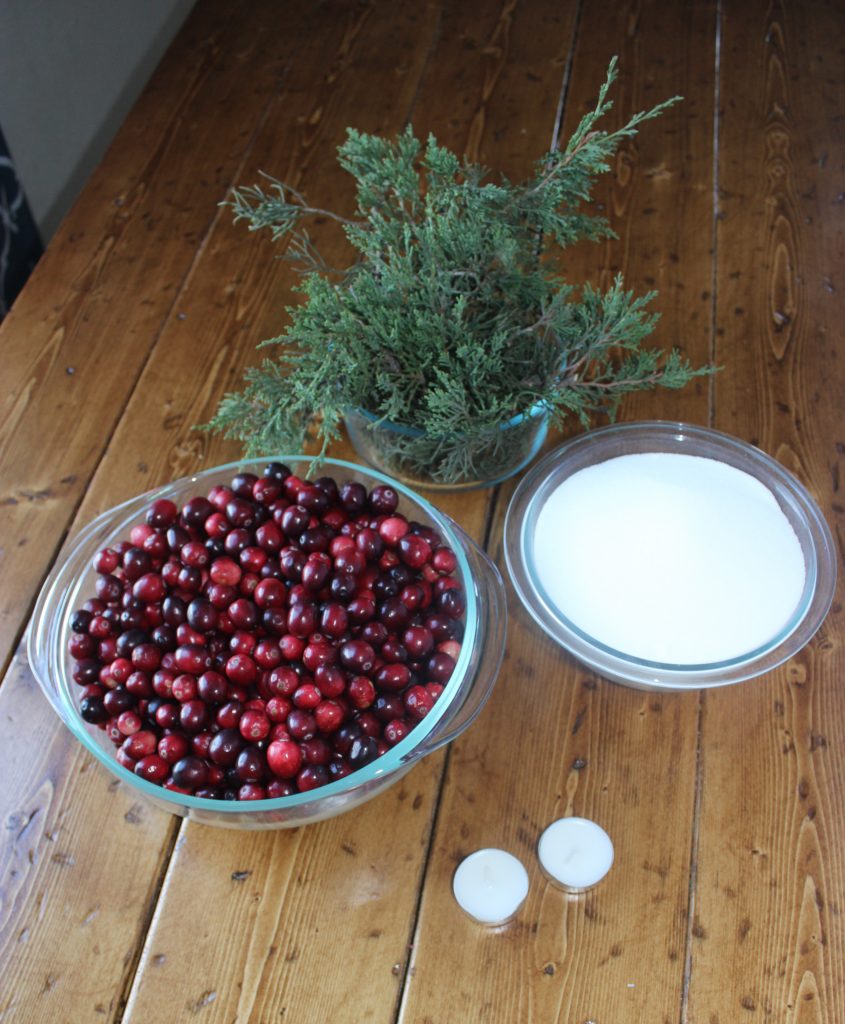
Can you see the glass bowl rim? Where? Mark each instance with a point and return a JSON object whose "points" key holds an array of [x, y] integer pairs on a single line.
{"points": [[400, 756], [811, 610]]}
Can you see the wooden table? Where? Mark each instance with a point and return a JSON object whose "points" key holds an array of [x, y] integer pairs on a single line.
{"points": [[727, 900]]}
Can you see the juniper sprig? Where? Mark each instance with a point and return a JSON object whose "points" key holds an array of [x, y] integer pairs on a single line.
{"points": [[453, 318]]}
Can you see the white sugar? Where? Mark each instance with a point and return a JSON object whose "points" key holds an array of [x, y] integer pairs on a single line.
{"points": [[670, 558]]}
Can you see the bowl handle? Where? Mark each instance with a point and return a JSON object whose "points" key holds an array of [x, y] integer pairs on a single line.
{"points": [[493, 615]]}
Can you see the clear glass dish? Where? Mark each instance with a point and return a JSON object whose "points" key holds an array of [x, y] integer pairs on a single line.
{"points": [[403, 451], [72, 582], [598, 446]]}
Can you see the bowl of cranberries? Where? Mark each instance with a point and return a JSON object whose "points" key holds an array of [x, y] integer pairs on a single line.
{"points": [[250, 648]]}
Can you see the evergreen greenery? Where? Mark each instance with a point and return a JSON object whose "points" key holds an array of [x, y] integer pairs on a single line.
{"points": [[452, 319]]}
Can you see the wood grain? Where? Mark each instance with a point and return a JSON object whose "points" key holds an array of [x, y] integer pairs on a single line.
{"points": [[771, 870], [79, 334], [555, 739]]}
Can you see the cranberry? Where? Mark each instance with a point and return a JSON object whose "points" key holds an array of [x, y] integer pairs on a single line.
{"points": [[225, 747], [136, 563], [254, 725], [396, 731], [392, 530], [93, 710], [358, 656], [361, 692], [301, 724], [189, 773], [106, 561], [140, 744], [328, 715], [212, 687], [173, 747], [384, 500], [418, 702], [414, 551], [362, 752], [249, 765], [440, 667], [270, 593], [202, 615], [193, 716], [241, 669], [311, 777], [307, 696], [393, 677], [284, 758], [353, 497]]}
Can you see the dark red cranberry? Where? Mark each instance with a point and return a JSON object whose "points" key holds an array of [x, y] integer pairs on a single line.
{"points": [[189, 773], [136, 563], [93, 710], [108, 589], [358, 656], [393, 677], [311, 777], [440, 667], [295, 519], [277, 471], [384, 500], [362, 751], [250, 765], [388, 706], [353, 497], [452, 603], [192, 658], [225, 746], [374, 633], [301, 724], [243, 483], [196, 511], [315, 539], [343, 587], [193, 716]]}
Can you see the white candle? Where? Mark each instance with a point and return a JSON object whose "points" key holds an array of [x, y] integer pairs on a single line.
{"points": [[670, 558], [575, 853], [490, 885]]}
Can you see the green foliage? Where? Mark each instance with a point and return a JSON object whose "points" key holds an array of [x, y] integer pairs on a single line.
{"points": [[452, 319]]}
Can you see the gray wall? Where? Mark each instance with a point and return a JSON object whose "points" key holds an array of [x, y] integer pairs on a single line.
{"points": [[70, 71]]}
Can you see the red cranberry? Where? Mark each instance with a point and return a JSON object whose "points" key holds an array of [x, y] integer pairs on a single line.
{"points": [[414, 551], [284, 758], [270, 593], [106, 561], [396, 731], [361, 692], [173, 747], [193, 716], [330, 680], [254, 725], [392, 530], [311, 777], [140, 744], [393, 677], [418, 702], [328, 716], [440, 667]]}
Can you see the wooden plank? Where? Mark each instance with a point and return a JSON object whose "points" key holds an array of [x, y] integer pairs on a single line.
{"points": [[82, 329], [770, 894], [53, 793], [554, 739], [372, 893]]}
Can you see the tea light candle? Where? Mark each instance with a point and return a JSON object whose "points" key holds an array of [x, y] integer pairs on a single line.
{"points": [[575, 853], [670, 558], [490, 885]]}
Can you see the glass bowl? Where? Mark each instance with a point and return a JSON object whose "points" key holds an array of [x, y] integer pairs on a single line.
{"points": [[72, 582], [631, 438], [405, 451]]}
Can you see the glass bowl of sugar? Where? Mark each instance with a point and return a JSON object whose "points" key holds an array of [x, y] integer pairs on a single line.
{"points": [[668, 557]]}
